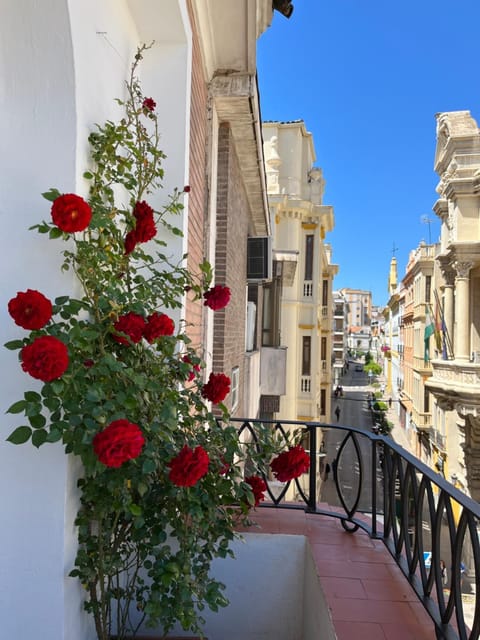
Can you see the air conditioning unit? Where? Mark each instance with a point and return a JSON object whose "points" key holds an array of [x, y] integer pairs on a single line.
{"points": [[259, 258]]}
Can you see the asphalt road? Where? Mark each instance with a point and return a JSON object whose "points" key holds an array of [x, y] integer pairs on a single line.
{"points": [[354, 412]]}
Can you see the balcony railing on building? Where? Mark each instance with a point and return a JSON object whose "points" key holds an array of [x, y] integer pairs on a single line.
{"points": [[438, 439], [305, 384], [308, 288], [423, 520]]}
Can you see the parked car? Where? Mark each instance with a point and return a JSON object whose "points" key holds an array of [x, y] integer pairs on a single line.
{"points": [[359, 367]]}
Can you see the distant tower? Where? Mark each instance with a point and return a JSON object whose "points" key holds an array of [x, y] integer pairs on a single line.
{"points": [[392, 276]]}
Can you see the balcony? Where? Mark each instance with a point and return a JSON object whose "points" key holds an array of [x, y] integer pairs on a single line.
{"points": [[325, 316], [422, 419], [423, 368], [459, 381], [438, 439], [378, 527]]}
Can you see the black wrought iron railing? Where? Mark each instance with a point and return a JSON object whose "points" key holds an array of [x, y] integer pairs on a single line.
{"points": [[429, 527]]}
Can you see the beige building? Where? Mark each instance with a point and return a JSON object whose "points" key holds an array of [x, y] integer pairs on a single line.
{"points": [[300, 223], [455, 382], [417, 292], [359, 308], [340, 336]]}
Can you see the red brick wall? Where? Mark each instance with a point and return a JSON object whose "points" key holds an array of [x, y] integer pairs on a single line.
{"points": [[197, 181], [230, 261]]}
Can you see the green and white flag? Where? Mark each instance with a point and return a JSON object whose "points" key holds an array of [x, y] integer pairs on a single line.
{"points": [[429, 331]]}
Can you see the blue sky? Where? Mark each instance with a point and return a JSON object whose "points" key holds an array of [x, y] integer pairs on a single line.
{"points": [[368, 77]]}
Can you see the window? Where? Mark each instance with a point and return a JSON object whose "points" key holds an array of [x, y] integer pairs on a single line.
{"points": [[309, 257], [258, 258], [234, 387], [306, 355], [323, 349], [428, 288], [323, 402], [325, 293], [426, 401], [271, 313]]}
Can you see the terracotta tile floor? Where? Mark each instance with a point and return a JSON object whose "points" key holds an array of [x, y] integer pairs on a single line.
{"points": [[366, 592]]}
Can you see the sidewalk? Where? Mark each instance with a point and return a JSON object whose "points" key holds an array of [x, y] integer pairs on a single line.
{"points": [[398, 433]]}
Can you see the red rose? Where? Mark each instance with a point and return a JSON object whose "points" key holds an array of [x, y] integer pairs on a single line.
{"points": [[258, 486], [149, 104], [145, 228], [71, 213], [195, 368], [132, 324], [30, 309], [217, 387], [46, 358], [130, 242], [217, 298], [158, 324], [117, 443], [290, 464], [186, 189], [188, 466]]}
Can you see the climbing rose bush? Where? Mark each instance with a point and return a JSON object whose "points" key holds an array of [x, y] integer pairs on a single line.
{"points": [[161, 487]]}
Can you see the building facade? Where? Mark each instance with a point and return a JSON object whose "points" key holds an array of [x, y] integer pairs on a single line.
{"points": [[455, 382], [340, 336], [300, 222]]}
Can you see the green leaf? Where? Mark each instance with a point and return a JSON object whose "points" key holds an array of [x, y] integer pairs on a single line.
{"points": [[87, 175], [13, 344], [61, 300], [135, 510], [54, 233], [57, 386], [20, 435], [17, 407], [37, 421], [51, 194], [54, 436], [39, 437], [32, 396], [148, 466]]}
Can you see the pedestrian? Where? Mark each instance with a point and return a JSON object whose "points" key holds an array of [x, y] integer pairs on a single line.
{"points": [[337, 413], [327, 471], [390, 402], [443, 572], [382, 388]]}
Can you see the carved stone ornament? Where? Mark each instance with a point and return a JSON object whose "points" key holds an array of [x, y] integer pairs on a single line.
{"points": [[472, 454], [463, 268]]}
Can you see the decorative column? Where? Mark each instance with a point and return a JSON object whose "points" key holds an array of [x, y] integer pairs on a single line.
{"points": [[448, 305], [462, 316]]}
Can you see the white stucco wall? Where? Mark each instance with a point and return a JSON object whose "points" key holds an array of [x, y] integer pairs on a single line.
{"points": [[274, 592], [62, 64]]}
